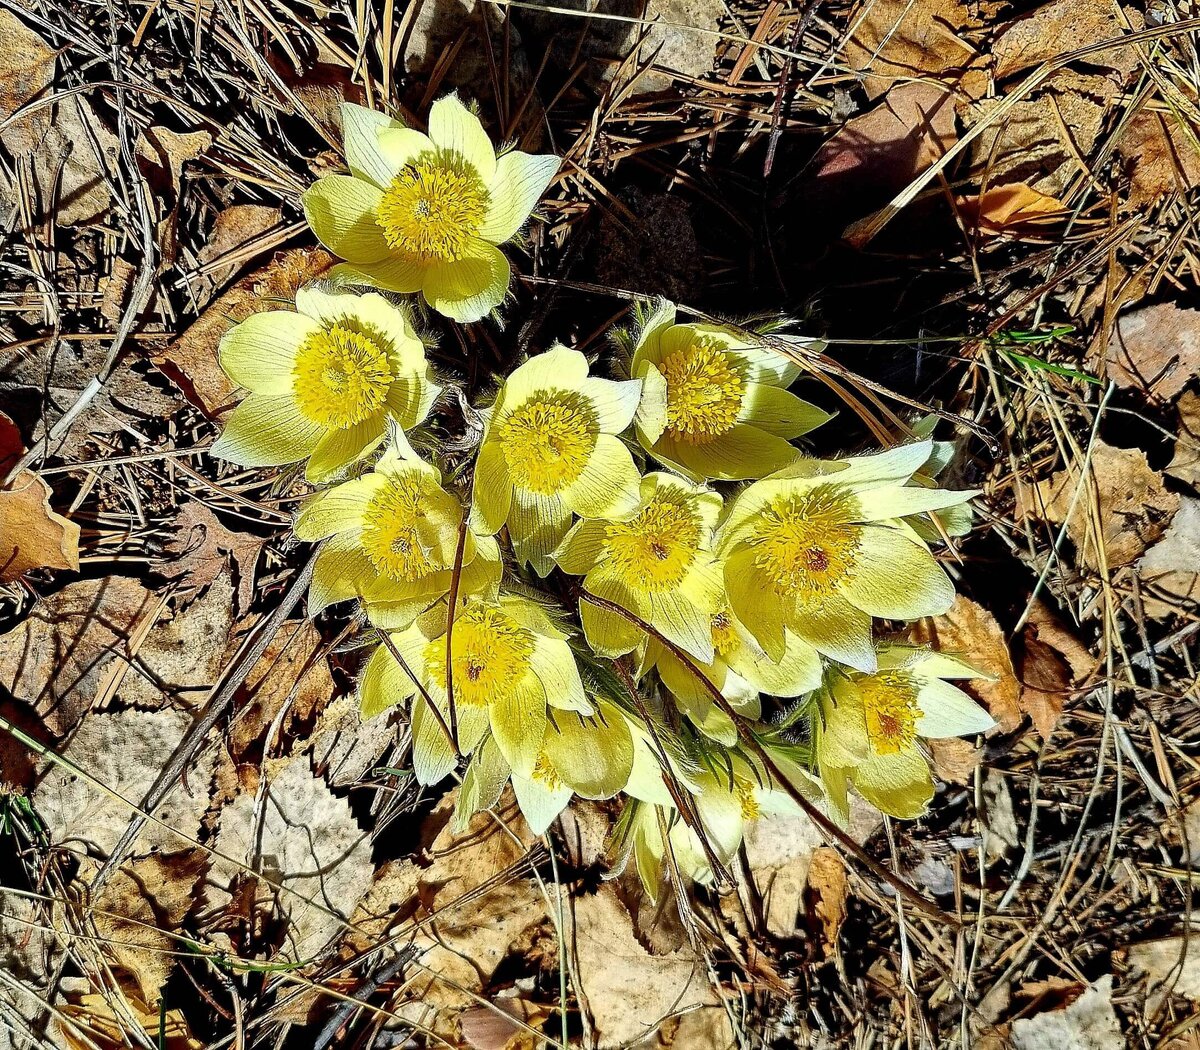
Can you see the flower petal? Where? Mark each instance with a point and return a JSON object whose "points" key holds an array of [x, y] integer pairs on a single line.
{"points": [[610, 484], [383, 684], [763, 612], [482, 784], [779, 411], [540, 804], [260, 352], [493, 491], [899, 784], [454, 127], [400, 147], [607, 632], [471, 287], [741, 453], [338, 574], [341, 211], [558, 368], [651, 418], [839, 630], [593, 755], [400, 273], [360, 136], [338, 509], [339, 448], [582, 547], [896, 502], [947, 711], [518, 718], [896, 578], [266, 431], [614, 402], [518, 185], [536, 526], [553, 664], [649, 345]]}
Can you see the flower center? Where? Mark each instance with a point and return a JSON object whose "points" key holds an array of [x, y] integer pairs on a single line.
{"points": [[704, 394], [491, 655], [890, 705], [547, 441], [545, 773], [433, 207], [746, 799], [724, 637], [807, 544], [341, 376], [655, 550], [392, 527]]}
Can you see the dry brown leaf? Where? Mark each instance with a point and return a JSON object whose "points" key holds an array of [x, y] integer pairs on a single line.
{"points": [[877, 153], [35, 536], [94, 1015], [955, 759], [343, 746], [628, 991], [972, 633], [1052, 662], [201, 549], [1185, 463], [828, 890], [1155, 349], [236, 227], [191, 361], [1169, 570], [144, 902], [1011, 208], [1130, 499], [895, 40], [1046, 32], [1170, 965], [1160, 155], [103, 639], [1088, 1023], [162, 154], [292, 671]]}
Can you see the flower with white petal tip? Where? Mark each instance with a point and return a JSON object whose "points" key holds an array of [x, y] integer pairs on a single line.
{"points": [[740, 670], [657, 565], [391, 539], [509, 662], [550, 449], [819, 548], [425, 213], [325, 381], [872, 724], [716, 404]]}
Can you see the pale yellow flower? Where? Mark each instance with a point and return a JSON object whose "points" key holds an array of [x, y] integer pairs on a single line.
{"points": [[391, 538], [871, 727], [325, 381], [658, 565], [509, 663], [715, 404], [819, 548], [550, 450], [424, 213]]}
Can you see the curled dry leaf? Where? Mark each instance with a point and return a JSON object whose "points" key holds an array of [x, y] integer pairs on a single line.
{"points": [[191, 361], [201, 549], [1185, 463], [89, 1022], [828, 890], [1122, 492], [1088, 1023], [1012, 208], [1169, 966], [35, 536], [1044, 33], [233, 235], [1052, 662], [1155, 349], [1160, 154], [1169, 570]]}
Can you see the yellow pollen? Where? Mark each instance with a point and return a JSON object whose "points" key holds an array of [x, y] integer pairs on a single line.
{"points": [[724, 637], [704, 394], [890, 706], [745, 796], [491, 656], [548, 440], [806, 545], [546, 774], [341, 376], [655, 550], [433, 208], [392, 525]]}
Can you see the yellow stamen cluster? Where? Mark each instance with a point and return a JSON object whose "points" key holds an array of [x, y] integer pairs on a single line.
{"points": [[724, 637], [547, 441], [391, 534], [433, 208], [545, 773], [745, 796], [491, 655], [806, 544], [704, 392], [342, 376], [890, 705], [656, 548]]}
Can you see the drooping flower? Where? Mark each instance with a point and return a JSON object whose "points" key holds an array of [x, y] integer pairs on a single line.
{"points": [[716, 405], [657, 565], [324, 382], [818, 549], [872, 724], [424, 213], [509, 661], [392, 540], [740, 670], [550, 449]]}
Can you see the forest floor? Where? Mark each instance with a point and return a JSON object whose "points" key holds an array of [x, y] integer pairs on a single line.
{"points": [[986, 208]]}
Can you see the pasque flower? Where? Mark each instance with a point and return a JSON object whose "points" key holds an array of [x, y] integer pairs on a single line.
{"points": [[871, 726], [550, 450], [818, 549], [391, 539], [715, 404], [424, 213], [325, 380]]}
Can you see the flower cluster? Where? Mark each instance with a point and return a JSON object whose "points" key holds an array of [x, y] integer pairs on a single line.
{"points": [[636, 584]]}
